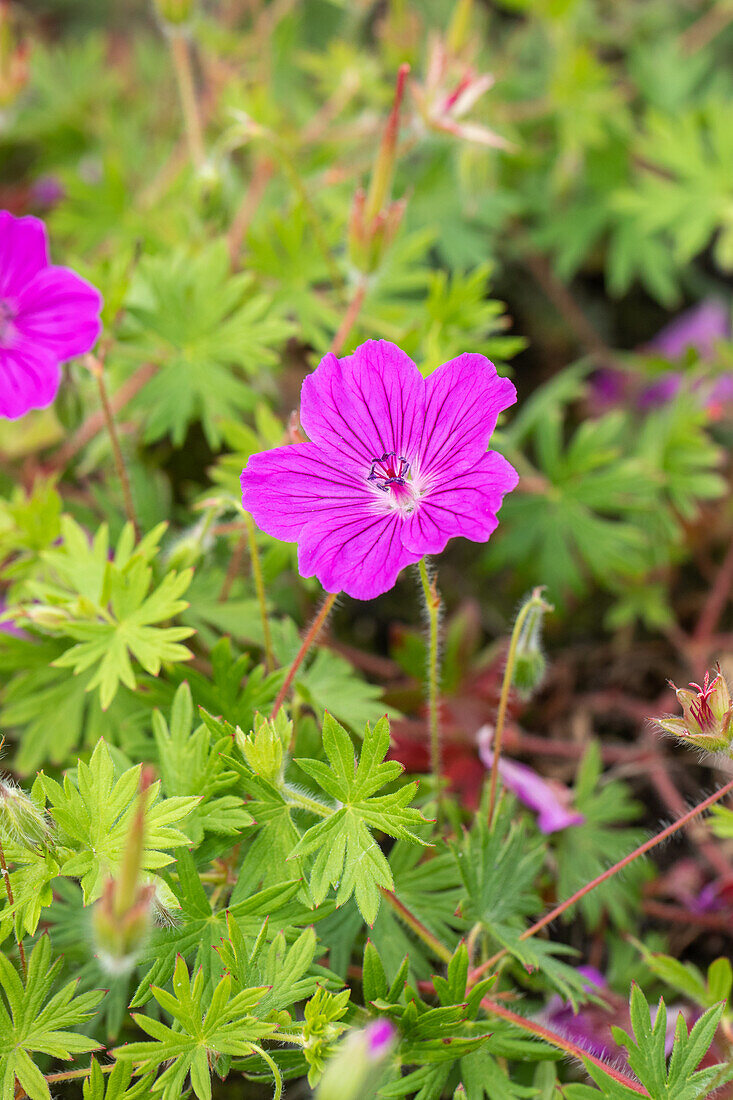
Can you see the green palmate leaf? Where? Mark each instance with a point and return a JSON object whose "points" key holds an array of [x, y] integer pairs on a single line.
{"points": [[678, 1079], [117, 1085], [206, 326], [346, 853], [109, 607], [331, 682], [191, 764], [94, 812], [31, 1022], [205, 1026], [199, 928]]}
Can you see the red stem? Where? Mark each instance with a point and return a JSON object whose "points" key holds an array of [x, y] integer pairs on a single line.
{"points": [[313, 632]]}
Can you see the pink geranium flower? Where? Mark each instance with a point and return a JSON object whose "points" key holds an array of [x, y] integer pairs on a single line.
{"points": [[47, 315], [395, 467]]}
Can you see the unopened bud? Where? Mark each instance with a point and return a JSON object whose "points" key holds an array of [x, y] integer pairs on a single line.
{"points": [[14, 71], [120, 936], [354, 1071], [707, 714], [264, 748], [46, 615], [21, 820], [175, 14], [529, 660]]}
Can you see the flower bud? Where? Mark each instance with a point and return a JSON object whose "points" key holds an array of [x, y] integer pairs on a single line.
{"points": [[529, 660], [175, 14], [707, 714], [264, 748], [21, 819], [354, 1071], [121, 918], [13, 59]]}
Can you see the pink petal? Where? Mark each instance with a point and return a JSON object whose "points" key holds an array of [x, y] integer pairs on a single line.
{"points": [[59, 310], [29, 379], [356, 552], [285, 488], [365, 405], [23, 252], [464, 505], [463, 400]]}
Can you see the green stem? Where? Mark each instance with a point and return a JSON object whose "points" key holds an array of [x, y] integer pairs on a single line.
{"points": [[297, 798], [432, 606], [313, 632], [187, 93], [97, 369], [254, 556], [534, 601], [417, 926], [11, 901]]}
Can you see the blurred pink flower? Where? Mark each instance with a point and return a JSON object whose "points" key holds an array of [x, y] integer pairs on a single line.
{"points": [[47, 315], [549, 799]]}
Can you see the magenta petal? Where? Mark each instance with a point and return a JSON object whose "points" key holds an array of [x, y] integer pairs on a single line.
{"points": [[365, 405], [23, 252], [285, 488], [59, 310], [464, 505], [463, 400], [29, 379], [358, 552]]}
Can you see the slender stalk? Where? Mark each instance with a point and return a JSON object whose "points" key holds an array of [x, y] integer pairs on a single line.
{"points": [[187, 94], [533, 602], [718, 597], [11, 902], [297, 798], [647, 846], [72, 1074], [313, 631], [432, 606], [352, 312], [96, 368], [561, 1043], [254, 556], [417, 926]]}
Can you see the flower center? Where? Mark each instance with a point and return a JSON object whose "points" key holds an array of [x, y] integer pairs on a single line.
{"points": [[390, 475], [7, 316]]}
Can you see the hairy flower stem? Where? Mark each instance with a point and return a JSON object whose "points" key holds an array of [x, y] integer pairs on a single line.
{"points": [[416, 925], [535, 601], [432, 606], [11, 902], [352, 312], [313, 631], [561, 1043], [187, 93], [96, 368], [254, 557], [647, 846]]}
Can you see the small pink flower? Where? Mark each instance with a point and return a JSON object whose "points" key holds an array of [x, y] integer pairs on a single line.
{"points": [[396, 466], [446, 96], [47, 315]]}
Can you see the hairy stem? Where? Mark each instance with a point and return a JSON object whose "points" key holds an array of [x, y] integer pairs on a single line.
{"points": [[589, 886], [561, 1043], [533, 602], [416, 925], [96, 368], [254, 557], [187, 94], [432, 606], [11, 902], [303, 802], [313, 631]]}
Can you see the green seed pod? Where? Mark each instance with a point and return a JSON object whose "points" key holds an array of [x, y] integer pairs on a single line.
{"points": [[175, 14], [529, 660]]}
